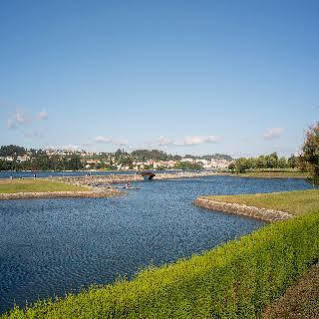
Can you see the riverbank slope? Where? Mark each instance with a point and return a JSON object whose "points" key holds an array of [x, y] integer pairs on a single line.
{"points": [[267, 207], [301, 300]]}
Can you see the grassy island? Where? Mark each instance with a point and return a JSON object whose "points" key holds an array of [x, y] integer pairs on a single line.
{"points": [[37, 185], [295, 203], [47, 188]]}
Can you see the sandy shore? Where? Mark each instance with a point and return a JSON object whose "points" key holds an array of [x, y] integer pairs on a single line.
{"points": [[267, 215]]}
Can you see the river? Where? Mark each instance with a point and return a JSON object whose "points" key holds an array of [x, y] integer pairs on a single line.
{"points": [[49, 247]]}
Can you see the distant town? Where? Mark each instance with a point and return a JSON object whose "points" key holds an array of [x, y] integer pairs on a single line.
{"points": [[13, 157]]}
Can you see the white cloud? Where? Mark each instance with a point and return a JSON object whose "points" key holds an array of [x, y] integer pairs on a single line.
{"points": [[187, 141], [197, 140], [20, 117], [273, 133], [103, 139], [33, 134], [110, 140], [163, 141], [16, 119], [43, 115], [11, 124]]}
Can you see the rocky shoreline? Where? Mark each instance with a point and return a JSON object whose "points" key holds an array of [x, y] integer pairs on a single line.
{"points": [[267, 215], [107, 180], [73, 194], [100, 186]]}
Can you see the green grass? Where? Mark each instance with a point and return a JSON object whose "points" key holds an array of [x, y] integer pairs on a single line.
{"points": [[36, 185], [273, 174], [302, 299], [296, 203]]}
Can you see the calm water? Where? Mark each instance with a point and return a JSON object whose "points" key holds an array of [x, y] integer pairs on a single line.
{"points": [[50, 247], [8, 174]]}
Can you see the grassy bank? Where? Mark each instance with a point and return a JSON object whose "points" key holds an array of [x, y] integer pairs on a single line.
{"points": [[296, 203], [302, 299], [36, 185], [272, 174], [236, 280]]}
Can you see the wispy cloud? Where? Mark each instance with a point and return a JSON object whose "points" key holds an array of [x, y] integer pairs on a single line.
{"points": [[110, 140], [163, 141], [197, 140], [11, 124], [20, 117], [273, 133], [33, 134], [187, 141], [43, 115], [103, 139], [17, 119]]}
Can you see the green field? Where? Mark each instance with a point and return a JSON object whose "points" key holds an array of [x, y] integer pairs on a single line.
{"points": [[36, 185], [296, 203], [274, 174]]}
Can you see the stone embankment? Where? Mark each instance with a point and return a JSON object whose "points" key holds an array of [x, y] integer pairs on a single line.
{"points": [[75, 194], [179, 175], [107, 180], [267, 215]]}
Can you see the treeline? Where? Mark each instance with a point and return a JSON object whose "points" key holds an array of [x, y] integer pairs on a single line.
{"points": [[188, 166], [156, 155], [13, 157], [44, 162], [271, 161], [36, 160], [12, 150]]}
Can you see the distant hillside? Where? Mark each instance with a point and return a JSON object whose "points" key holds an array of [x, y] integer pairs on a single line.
{"points": [[216, 156], [144, 155]]}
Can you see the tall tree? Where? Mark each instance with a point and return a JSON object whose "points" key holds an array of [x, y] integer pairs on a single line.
{"points": [[309, 157]]}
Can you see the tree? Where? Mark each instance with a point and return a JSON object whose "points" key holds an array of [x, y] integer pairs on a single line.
{"points": [[309, 157], [188, 166], [272, 160], [12, 150], [232, 167], [293, 161], [241, 165]]}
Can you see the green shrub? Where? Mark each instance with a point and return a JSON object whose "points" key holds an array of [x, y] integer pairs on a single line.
{"points": [[235, 280]]}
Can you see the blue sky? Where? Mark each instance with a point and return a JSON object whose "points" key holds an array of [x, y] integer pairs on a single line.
{"points": [[236, 77]]}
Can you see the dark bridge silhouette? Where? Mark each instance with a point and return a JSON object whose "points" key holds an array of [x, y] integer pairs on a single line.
{"points": [[147, 175]]}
